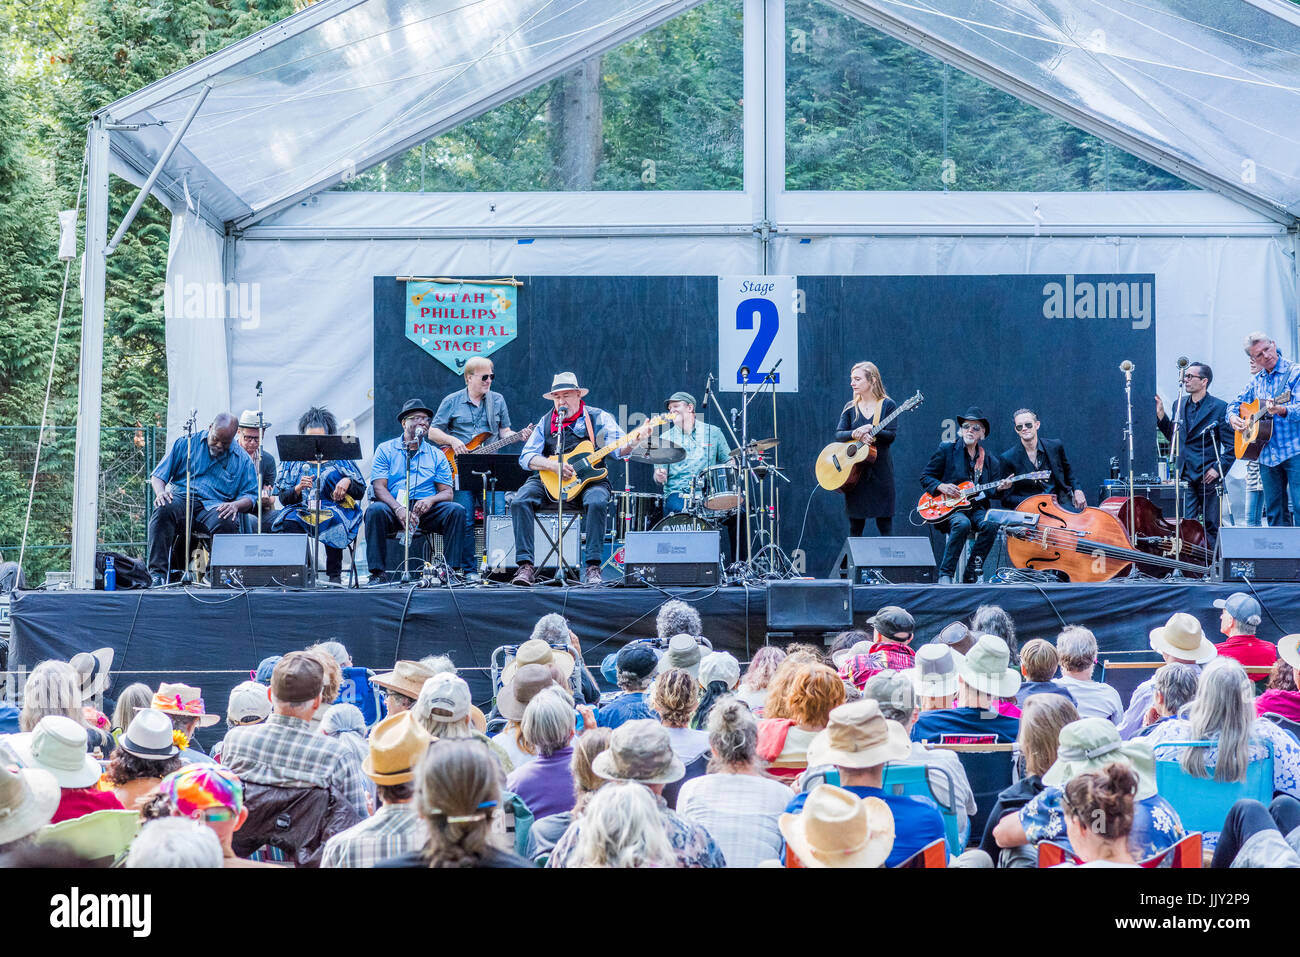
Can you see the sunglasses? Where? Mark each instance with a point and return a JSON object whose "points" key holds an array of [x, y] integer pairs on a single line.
{"points": [[215, 815], [487, 378], [1025, 427]]}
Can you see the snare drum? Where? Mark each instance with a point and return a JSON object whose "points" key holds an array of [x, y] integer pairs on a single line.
{"points": [[717, 490], [632, 511]]}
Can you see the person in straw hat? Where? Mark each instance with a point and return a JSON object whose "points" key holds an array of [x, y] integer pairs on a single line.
{"points": [[250, 440], [58, 745], [402, 685], [641, 751], [1088, 745], [185, 705], [859, 741], [1180, 641], [28, 799], [984, 679], [524, 685], [837, 828], [396, 745], [570, 422], [1282, 697]]}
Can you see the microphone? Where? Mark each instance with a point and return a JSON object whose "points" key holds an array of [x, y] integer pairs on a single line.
{"points": [[563, 411], [1126, 366], [705, 404], [744, 372], [1183, 362], [734, 413]]}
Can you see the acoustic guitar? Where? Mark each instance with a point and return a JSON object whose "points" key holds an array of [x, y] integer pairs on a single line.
{"points": [[585, 462], [476, 445], [1250, 441], [840, 464], [935, 508]]}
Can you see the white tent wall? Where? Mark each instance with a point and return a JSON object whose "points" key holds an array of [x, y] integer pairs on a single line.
{"points": [[195, 306]]}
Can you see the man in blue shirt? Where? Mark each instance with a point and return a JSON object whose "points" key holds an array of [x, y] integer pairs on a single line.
{"points": [[222, 485], [1279, 462], [426, 505], [984, 681]]}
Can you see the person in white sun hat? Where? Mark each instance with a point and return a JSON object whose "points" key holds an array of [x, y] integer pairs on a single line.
{"points": [[985, 679], [1181, 640]]}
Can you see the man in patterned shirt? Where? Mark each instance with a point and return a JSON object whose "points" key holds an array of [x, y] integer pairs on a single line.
{"points": [[1280, 459], [641, 751], [705, 447], [396, 745], [284, 751]]}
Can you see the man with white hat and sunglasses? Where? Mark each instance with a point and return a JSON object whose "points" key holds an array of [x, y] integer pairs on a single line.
{"points": [[1180, 641]]}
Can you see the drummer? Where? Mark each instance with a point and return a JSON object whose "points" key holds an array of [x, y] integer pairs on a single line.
{"points": [[705, 446]]}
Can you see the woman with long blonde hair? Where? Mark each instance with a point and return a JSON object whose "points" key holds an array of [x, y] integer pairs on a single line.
{"points": [[872, 494]]}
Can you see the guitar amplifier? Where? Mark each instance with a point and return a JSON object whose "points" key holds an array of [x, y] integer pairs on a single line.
{"points": [[1163, 494], [499, 540], [279, 561], [1264, 554], [887, 561], [672, 558]]}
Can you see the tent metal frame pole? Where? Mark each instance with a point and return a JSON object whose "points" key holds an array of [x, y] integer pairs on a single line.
{"points": [[85, 492], [1295, 272]]}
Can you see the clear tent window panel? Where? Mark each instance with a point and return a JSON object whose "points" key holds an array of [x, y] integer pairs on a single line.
{"points": [[661, 111], [867, 112]]}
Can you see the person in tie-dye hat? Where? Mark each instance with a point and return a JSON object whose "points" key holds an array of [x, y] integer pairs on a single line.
{"points": [[212, 795]]}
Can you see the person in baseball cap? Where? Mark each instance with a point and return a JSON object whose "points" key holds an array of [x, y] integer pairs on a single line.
{"points": [[892, 631], [1239, 621], [634, 668]]}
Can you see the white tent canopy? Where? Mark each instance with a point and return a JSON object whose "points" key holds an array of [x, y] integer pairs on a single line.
{"points": [[252, 135]]}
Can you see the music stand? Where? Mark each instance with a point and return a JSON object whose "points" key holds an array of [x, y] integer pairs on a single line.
{"points": [[318, 449]]}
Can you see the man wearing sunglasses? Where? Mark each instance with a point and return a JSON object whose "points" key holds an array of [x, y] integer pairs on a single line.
{"points": [[1033, 454], [1203, 420]]}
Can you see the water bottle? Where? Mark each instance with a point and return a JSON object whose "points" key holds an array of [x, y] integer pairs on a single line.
{"points": [[110, 574]]}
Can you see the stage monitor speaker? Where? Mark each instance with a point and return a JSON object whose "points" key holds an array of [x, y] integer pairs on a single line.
{"points": [[500, 541], [815, 605], [1263, 554], [672, 558], [279, 561], [887, 561]]}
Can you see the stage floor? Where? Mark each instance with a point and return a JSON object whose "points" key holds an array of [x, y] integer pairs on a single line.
{"points": [[213, 638]]}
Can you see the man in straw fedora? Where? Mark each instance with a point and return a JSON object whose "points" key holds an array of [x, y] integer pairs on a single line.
{"points": [[1180, 641], [839, 829], [570, 422]]}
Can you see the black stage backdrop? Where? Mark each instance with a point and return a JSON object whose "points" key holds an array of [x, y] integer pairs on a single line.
{"points": [[960, 340]]}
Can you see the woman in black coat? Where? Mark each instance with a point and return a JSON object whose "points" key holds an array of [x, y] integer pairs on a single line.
{"points": [[872, 496]]}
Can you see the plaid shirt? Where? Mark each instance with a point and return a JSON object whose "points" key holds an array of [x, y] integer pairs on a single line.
{"points": [[284, 751], [691, 842], [396, 829], [1286, 429]]}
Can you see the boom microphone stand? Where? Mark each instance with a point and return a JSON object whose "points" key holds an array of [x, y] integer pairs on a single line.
{"points": [[188, 577], [560, 415], [257, 466], [406, 578]]}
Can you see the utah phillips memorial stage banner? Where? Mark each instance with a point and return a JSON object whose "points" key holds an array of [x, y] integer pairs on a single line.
{"points": [[455, 320]]}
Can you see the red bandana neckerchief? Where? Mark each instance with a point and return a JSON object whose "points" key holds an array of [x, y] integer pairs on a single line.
{"points": [[582, 408]]}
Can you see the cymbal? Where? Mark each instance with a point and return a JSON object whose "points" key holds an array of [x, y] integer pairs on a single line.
{"points": [[665, 453], [755, 445]]}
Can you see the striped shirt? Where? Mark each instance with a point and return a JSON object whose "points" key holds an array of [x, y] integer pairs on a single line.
{"points": [[1286, 429], [396, 829]]}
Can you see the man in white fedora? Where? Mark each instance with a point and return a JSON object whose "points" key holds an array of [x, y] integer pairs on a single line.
{"points": [[839, 829], [185, 705], [985, 681], [252, 440], [859, 741], [934, 676], [1181, 640], [570, 422]]}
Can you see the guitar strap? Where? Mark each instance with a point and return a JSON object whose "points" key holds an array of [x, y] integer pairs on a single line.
{"points": [[591, 434]]}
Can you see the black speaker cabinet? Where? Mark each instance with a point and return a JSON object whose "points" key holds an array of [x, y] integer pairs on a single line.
{"points": [[813, 605], [887, 561], [259, 560], [1263, 554]]}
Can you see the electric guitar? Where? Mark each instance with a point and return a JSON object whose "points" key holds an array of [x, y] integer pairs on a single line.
{"points": [[935, 508], [585, 462], [840, 464], [1250, 441], [476, 445]]}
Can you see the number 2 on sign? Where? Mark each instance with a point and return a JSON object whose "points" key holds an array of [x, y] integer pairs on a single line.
{"points": [[768, 322]]}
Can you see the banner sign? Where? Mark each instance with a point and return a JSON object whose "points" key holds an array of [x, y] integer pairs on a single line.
{"points": [[455, 321], [758, 326]]}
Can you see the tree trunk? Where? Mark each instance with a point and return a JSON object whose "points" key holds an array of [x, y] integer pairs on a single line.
{"points": [[576, 115]]}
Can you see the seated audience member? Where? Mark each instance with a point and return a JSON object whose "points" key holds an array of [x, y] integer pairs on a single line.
{"points": [[443, 710], [983, 679], [28, 799], [621, 827], [957, 636], [1040, 729], [402, 685], [561, 641], [347, 725], [753, 686], [893, 692], [250, 703], [213, 796], [54, 688], [674, 697], [184, 705], [134, 697], [1282, 698], [1038, 663], [458, 788], [1257, 836], [397, 744], [813, 693], [265, 668], [547, 830], [1099, 814], [329, 690], [719, 675], [1240, 618], [1224, 712], [934, 678], [174, 842], [1086, 745], [1077, 649], [58, 745], [859, 741], [1179, 641], [683, 653], [837, 828], [525, 684], [676, 617], [635, 668], [994, 620], [1175, 688], [892, 631], [796, 657], [145, 755], [848, 643], [641, 752], [735, 802], [546, 784]]}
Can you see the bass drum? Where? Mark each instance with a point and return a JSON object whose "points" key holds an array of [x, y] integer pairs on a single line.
{"points": [[684, 522]]}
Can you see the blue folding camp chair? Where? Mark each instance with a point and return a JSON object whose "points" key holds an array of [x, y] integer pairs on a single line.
{"points": [[1203, 803], [914, 779]]}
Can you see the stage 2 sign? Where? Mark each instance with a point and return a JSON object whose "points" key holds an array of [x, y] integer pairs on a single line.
{"points": [[758, 326], [455, 321]]}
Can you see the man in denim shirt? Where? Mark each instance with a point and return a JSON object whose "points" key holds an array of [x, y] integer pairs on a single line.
{"points": [[1279, 461]]}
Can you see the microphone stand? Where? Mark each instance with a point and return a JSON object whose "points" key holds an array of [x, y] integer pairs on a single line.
{"points": [[1178, 450], [187, 578], [560, 414], [1128, 432], [406, 578], [483, 477], [257, 466]]}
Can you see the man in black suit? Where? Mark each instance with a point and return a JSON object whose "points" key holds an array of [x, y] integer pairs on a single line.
{"points": [[1033, 454], [965, 460], [1204, 419]]}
